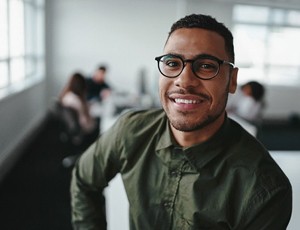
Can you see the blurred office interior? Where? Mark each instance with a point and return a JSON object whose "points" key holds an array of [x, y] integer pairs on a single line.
{"points": [[44, 41]]}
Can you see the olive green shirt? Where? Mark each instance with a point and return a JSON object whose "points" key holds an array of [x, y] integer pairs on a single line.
{"points": [[228, 182]]}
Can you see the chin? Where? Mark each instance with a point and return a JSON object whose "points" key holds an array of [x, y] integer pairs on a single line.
{"points": [[186, 125]]}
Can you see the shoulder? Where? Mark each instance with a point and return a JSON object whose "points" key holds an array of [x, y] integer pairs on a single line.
{"points": [[133, 129], [140, 119], [70, 97], [241, 140], [135, 125], [248, 154]]}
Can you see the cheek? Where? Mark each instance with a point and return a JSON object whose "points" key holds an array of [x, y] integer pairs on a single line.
{"points": [[218, 93], [161, 89], [160, 85], [163, 85]]}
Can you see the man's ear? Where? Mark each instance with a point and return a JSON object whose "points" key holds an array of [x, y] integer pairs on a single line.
{"points": [[233, 80]]}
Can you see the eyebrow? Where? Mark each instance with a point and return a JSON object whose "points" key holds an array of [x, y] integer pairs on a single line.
{"points": [[203, 55]]}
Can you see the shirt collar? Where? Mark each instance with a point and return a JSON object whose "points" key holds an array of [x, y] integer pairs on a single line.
{"points": [[165, 140], [200, 154]]}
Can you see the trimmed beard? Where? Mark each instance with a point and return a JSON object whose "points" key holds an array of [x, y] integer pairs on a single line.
{"points": [[185, 127]]}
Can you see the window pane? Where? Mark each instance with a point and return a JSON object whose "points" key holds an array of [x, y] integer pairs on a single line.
{"points": [[40, 3], [17, 69], [293, 18], [266, 48], [30, 67], [284, 75], [250, 44], [21, 43], [30, 25], [16, 27], [283, 46], [3, 74], [277, 16], [244, 13], [40, 65], [250, 74], [3, 30]]}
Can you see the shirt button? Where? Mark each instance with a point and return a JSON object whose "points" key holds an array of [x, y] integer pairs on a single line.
{"points": [[174, 173], [167, 204]]}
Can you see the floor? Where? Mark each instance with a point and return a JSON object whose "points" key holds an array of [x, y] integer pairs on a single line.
{"points": [[35, 195]]}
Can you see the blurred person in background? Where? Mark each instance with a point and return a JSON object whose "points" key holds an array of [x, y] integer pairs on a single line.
{"points": [[74, 96], [97, 87], [248, 102]]}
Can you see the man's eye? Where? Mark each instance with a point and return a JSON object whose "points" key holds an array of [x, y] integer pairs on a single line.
{"points": [[206, 65], [172, 63]]}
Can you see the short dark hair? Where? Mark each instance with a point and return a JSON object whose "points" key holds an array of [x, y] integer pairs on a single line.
{"points": [[257, 90], [102, 67], [209, 23]]}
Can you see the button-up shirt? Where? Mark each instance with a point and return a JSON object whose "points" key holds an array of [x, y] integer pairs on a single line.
{"points": [[227, 182]]}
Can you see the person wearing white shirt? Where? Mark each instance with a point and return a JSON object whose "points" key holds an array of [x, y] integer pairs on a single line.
{"points": [[248, 102], [74, 96]]}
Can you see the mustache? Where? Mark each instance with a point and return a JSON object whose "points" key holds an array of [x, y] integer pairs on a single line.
{"points": [[188, 92]]}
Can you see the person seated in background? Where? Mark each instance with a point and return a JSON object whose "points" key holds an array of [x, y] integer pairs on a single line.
{"points": [[248, 103], [97, 88], [74, 96]]}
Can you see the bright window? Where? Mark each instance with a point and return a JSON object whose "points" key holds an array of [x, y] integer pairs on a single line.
{"points": [[21, 43], [266, 43]]}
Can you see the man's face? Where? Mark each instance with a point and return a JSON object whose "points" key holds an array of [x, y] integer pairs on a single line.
{"points": [[99, 76], [189, 102]]}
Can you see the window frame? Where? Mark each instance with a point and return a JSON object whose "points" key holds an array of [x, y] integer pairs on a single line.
{"points": [[264, 66], [31, 59]]}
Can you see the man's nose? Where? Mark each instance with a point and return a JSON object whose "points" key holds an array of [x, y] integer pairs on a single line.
{"points": [[187, 78]]}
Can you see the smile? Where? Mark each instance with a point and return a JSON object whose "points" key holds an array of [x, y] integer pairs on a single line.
{"points": [[185, 101]]}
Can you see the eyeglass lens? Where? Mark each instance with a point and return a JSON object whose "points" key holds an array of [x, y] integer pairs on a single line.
{"points": [[172, 66]]}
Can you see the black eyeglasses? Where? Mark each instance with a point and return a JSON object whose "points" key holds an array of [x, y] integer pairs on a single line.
{"points": [[204, 67]]}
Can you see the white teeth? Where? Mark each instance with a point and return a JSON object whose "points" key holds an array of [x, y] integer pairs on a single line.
{"points": [[184, 101]]}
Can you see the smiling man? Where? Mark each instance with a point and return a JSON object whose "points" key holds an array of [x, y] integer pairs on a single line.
{"points": [[196, 82], [186, 166]]}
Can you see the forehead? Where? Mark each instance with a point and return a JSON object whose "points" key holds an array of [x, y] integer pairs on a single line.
{"points": [[190, 42]]}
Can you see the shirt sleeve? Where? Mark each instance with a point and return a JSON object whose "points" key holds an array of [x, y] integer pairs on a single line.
{"points": [[270, 208], [91, 174]]}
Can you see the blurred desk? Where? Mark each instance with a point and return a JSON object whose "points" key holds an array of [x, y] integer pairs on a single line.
{"points": [[105, 113], [117, 205], [96, 109], [289, 162], [109, 110]]}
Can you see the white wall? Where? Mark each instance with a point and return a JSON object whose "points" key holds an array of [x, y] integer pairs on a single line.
{"points": [[127, 35], [19, 114]]}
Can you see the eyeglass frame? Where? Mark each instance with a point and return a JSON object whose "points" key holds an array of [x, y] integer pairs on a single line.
{"points": [[201, 56]]}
